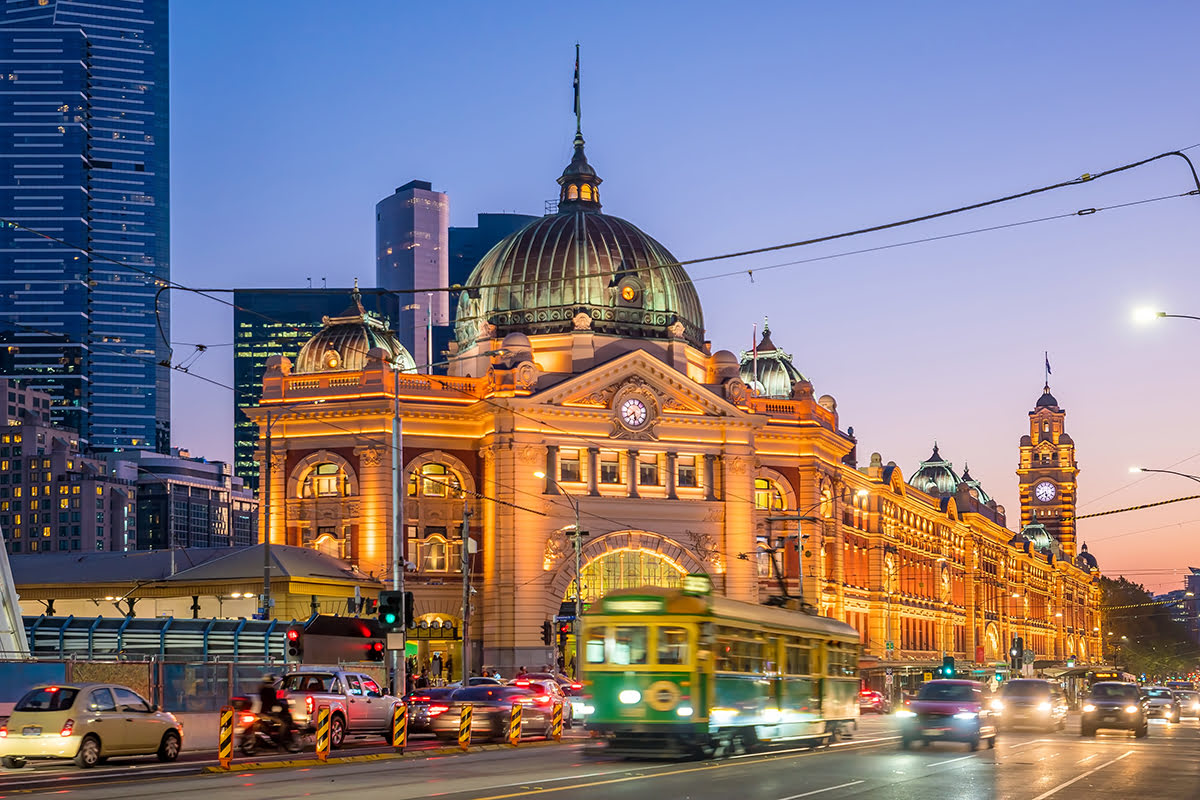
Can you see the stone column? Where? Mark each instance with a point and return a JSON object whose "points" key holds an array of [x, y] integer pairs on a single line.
{"points": [[594, 471], [551, 469], [670, 482], [741, 576], [631, 473], [710, 477]]}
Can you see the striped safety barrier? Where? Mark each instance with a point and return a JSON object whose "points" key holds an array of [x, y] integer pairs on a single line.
{"points": [[514, 725], [225, 738], [399, 726], [556, 722], [464, 727], [323, 733]]}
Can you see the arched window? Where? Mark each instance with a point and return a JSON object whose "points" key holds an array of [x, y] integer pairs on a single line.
{"points": [[434, 552], [436, 480], [586, 191], [626, 569], [572, 192], [325, 480], [767, 496]]}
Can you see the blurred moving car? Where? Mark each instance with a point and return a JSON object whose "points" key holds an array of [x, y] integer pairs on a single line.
{"points": [[491, 707], [1113, 704], [1027, 702], [949, 710], [572, 689], [425, 704], [356, 702], [1189, 703], [547, 692], [871, 701], [1161, 702], [88, 722]]}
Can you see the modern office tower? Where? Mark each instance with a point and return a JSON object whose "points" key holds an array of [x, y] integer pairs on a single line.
{"points": [[412, 253], [84, 156], [268, 322], [468, 245]]}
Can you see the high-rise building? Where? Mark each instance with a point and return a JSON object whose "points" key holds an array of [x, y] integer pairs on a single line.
{"points": [[84, 156], [468, 245], [268, 322], [412, 253]]}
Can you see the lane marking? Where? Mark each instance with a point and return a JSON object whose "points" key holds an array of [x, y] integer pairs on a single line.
{"points": [[1062, 786], [1022, 744], [1089, 758], [951, 761], [663, 774], [821, 791]]}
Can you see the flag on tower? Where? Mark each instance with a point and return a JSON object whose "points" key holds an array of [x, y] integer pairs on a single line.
{"points": [[575, 108], [1047, 362]]}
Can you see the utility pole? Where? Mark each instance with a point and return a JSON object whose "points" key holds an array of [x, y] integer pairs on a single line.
{"points": [[264, 610], [466, 591], [399, 666]]}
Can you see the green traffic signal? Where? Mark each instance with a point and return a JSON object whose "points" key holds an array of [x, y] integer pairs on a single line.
{"points": [[389, 618]]}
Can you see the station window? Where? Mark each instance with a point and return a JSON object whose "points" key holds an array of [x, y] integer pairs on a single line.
{"points": [[568, 466], [767, 496], [610, 468], [648, 469], [685, 468]]}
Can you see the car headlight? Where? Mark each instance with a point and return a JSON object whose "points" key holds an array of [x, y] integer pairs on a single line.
{"points": [[629, 696], [966, 715], [905, 713], [1131, 709], [1088, 708], [1196, 706], [997, 705], [1043, 706]]}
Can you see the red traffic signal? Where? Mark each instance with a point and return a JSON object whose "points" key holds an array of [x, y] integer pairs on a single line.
{"points": [[375, 651], [564, 628], [293, 635], [295, 642]]}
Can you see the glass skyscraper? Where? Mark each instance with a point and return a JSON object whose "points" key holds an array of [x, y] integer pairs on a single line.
{"points": [[270, 322], [84, 156]]}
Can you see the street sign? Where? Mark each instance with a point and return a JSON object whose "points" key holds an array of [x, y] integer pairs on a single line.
{"points": [[1028, 657], [891, 645], [928, 676], [888, 672]]}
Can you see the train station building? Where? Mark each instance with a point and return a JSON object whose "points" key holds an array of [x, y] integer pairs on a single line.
{"points": [[583, 395]]}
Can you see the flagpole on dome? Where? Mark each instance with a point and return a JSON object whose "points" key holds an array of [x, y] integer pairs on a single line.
{"points": [[578, 108], [1047, 355]]}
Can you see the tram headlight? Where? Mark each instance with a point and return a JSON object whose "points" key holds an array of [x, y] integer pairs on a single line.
{"points": [[905, 713], [723, 716], [772, 716], [684, 711], [966, 715], [629, 696]]}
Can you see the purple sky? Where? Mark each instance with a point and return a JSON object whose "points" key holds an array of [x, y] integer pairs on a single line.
{"points": [[716, 131]]}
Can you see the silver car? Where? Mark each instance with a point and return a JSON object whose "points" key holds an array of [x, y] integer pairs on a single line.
{"points": [[1160, 702]]}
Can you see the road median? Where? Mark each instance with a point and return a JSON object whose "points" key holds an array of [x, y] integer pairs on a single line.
{"points": [[439, 752]]}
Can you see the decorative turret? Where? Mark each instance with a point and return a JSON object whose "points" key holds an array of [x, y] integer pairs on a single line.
{"points": [[767, 370]]}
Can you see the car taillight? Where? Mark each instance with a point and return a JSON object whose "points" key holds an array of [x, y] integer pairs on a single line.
{"points": [[576, 686], [419, 699], [3, 731], [247, 719], [67, 728], [541, 700], [435, 710], [309, 704]]}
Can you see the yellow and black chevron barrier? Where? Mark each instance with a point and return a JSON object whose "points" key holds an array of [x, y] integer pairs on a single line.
{"points": [[225, 738], [323, 733], [514, 725], [464, 727], [556, 722], [399, 727]]}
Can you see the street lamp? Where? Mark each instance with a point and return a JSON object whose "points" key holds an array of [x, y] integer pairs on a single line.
{"points": [[577, 535], [1145, 315], [1166, 472]]}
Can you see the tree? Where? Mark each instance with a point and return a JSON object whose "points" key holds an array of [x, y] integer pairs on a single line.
{"points": [[1139, 634]]}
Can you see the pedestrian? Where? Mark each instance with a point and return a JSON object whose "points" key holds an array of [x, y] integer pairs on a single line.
{"points": [[423, 681], [572, 666], [522, 672]]}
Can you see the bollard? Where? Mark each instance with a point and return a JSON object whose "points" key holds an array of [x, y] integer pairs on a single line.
{"points": [[323, 733], [464, 727], [514, 725], [556, 722], [399, 727], [225, 738]]}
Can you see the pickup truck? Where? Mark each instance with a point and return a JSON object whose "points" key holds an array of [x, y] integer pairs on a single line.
{"points": [[356, 702]]}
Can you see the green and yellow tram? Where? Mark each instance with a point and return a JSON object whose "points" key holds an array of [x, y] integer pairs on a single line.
{"points": [[672, 672]]}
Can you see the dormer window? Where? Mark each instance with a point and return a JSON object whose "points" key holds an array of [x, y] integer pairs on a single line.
{"points": [[572, 192], [586, 192]]}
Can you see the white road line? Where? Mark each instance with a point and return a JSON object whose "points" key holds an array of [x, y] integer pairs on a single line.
{"points": [[951, 761], [820, 791], [1022, 744], [1062, 786], [1089, 758]]}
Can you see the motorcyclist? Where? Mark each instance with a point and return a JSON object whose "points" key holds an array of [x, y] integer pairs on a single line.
{"points": [[272, 708]]}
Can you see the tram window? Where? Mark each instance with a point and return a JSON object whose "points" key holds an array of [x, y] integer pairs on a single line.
{"points": [[672, 645], [629, 644], [841, 662], [798, 661], [739, 655], [594, 647]]}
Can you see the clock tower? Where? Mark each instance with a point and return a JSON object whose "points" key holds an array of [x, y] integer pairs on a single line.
{"points": [[1047, 473]]}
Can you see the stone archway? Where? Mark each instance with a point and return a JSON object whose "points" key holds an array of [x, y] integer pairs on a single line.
{"points": [[991, 643], [653, 546]]}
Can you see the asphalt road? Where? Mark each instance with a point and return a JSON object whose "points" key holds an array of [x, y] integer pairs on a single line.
{"points": [[1024, 766]]}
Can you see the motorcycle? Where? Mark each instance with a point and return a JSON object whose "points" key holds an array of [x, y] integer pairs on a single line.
{"points": [[261, 731]]}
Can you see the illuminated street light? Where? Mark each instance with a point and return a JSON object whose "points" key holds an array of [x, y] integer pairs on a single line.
{"points": [[1146, 315], [1167, 472]]}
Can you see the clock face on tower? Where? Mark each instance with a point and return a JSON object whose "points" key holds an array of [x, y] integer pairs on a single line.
{"points": [[1045, 491], [633, 413]]}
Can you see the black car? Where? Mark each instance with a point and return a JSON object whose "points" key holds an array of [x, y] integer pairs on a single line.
{"points": [[426, 704], [1111, 704]]}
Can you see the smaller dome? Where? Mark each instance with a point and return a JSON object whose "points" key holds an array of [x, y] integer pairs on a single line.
{"points": [[1046, 400], [935, 476], [1086, 561], [768, 369], [975, 486], [345, 343]]}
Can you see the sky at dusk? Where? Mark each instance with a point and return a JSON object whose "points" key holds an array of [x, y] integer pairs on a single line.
{"points": [[720, 127]]}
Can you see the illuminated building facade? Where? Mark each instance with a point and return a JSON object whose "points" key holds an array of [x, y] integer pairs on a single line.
{"points": [[581, 387]]}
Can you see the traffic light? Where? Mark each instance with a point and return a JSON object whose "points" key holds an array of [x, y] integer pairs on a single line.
{"points": [[295, 642], [375, 651], [564, 630], [391, 611], [547, 633], [410, 616], [947, 670], [1017, 653]]}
